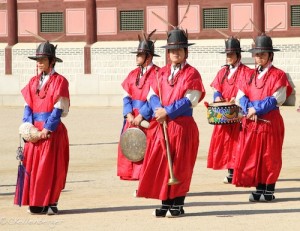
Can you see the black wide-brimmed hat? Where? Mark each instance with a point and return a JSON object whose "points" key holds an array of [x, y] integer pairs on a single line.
{"points": [[232, 45], [146, 45], [177, 38], [45, 49], [263, 43]]}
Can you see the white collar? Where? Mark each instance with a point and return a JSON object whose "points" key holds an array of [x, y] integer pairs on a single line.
{"points": [[44, 78], [264, 71], [145, 69], [178, 66], [175, 69]]}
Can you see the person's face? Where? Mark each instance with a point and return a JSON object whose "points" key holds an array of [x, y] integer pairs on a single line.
{"points": [[43, 64], [262, 59], [177, 55], [140, 58], [231, 58]]}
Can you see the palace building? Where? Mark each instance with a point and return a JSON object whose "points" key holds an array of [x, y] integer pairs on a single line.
{"points": [[95, 38]]}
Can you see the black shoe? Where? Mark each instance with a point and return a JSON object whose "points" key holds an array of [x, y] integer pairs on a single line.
{"points": [[255, 196], [227, 180], [267, 197], [161, 212], [37, 210], [52, 209], [175, 211]]}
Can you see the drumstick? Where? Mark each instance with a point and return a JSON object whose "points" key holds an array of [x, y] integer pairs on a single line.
{"points": [[144, 124], [263, 120]]}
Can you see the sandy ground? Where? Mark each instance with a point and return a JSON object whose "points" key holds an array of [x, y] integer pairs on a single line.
{"points": [[95, 199]]}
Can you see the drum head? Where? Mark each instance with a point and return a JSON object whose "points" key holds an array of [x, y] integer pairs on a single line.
{"points": [[29, 132], [133, 144]]}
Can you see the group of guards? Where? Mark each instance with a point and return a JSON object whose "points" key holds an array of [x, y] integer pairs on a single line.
{"points": [[251, 150]]}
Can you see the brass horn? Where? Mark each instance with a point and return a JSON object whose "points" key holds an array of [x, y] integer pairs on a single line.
{"points": [[172, 179]]}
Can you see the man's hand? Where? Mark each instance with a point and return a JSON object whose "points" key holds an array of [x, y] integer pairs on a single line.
{"points": [[130, 118], [252, 114], [219, 99], [45, 134], [160, 114], [137, 120]]}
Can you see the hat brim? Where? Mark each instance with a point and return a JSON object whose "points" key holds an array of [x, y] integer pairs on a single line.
{"points": [[136, 52], [256, 50], [44, 56], [177, 46]]}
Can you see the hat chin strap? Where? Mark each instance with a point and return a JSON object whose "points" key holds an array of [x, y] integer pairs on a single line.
{"points": [[270, 59]]}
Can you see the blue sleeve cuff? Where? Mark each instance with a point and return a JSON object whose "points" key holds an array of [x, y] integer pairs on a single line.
{"points": [[27, 115], [264, 106], [127, 105], [154, 102], [178, 107], [146, 111], [245, 104], [53, 120], [217, 94]]}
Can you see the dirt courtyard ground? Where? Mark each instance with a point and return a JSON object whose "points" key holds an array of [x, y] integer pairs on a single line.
{"points": [[95, 198]]}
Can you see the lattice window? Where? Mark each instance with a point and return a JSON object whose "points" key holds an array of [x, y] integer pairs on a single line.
{"points": [[295, 15], [52, 22], [132, 20], [215, 18]]}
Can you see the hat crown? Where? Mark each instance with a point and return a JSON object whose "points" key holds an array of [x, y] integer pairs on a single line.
{"points": [[263, 41], [46, 48], [146, 46], [177, 37], [232, 44]]}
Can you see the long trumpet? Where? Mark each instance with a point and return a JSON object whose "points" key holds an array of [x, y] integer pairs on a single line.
{"points": [[172, 179]]}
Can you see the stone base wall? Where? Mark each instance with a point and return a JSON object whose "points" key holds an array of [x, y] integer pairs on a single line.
{"points": [[112, 61]]}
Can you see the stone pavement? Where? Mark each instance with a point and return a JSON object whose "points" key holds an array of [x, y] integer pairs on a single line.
{"points": [[95, 199]]}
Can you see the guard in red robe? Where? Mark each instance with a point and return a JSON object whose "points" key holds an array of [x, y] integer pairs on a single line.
{"points": [[177, 90], [260, 159], [135, 108], [46, 161], [225, 138]]}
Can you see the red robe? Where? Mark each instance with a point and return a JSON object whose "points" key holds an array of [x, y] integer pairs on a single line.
{"points": [[225, 138], [183, 136], [126, 169], [46, 161], [261, 143]]}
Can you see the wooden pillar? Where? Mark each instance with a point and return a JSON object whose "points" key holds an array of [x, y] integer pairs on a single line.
{"points": [[91, 33], [259, 16], [87, 59], [8, 60], [12, 34], [91, 26], [173, 13], [172, 18]]}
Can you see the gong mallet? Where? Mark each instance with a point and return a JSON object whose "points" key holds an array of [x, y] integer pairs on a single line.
{"points": [[172, 179]]}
